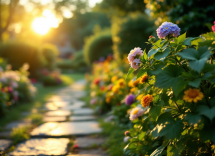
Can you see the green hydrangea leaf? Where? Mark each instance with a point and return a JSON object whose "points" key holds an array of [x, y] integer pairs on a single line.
{"points": [[170, 77], [165, 117], [175, 150], [162, 55], [172, 130], [195, 83], [196, 58], [207, 133], [206, 111], [180, 38], [141, 72], [209, 36], [130, 71], [141, 135], [192, 118], [188, 40], [153, 51], [155, 112]]}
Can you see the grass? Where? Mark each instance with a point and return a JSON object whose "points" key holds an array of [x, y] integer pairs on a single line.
{"points": [[114, 144], [19, 134], [14, 112]]}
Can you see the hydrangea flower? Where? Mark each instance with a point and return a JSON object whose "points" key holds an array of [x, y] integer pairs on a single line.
{"points": [[134, 57], [126, 139], [135, 113], [168, 28], [129, 99]]}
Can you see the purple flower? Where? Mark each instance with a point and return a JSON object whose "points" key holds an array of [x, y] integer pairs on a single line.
{"points": [[129, 99], [168, 28]]}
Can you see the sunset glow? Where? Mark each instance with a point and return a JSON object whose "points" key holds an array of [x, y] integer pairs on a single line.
{"points": [[41, 25]]}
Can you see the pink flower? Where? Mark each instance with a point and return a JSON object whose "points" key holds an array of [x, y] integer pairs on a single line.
{"points": [[14, 84], [126, 139], [76, 146], [93, 101], [213, 27], [10, 89], [134, 57], [135, 113]]}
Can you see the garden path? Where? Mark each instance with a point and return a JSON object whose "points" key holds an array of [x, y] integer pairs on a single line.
{"points": [[66, 122]]}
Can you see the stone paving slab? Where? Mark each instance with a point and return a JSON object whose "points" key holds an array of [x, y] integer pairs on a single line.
{"points": [[83, 111], [15, 124], [4, 144], [74, 106], [50, 146], [87, 142], [54, 118], [54, 129], [82, 118], [58, 113], [5, 134]]}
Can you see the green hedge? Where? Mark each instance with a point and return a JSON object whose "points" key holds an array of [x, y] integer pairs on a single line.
{"points": [[17, 53], [98, 45], [129, 32]]}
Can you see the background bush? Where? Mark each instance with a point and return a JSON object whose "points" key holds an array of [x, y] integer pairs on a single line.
{"points": [[77, 63], [131, 31], [98, 45], [17, 53], [50, 53], [192, 16]]}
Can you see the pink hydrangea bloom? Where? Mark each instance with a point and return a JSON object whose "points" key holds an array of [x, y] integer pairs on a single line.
{"points": [[134, 57], [135, 113]]}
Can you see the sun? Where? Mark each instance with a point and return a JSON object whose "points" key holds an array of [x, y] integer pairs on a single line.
{"points": [[41, 25]]}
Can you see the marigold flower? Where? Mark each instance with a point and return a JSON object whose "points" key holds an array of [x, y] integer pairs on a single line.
{"points": [[108, 99], [146, 100], [139, 97], [143, 79], [130, 83], [136, 82], [96, 81], [113, 79], [132, 90], [193, 95], [121, 82], [115, 88], [135, 113]]}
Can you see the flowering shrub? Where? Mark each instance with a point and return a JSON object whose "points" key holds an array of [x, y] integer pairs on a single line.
{"points": [[178, 99], [50, 78], [15, 87]]}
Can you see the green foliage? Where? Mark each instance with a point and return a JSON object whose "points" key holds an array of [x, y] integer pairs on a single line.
{"points": [[20, 134], [50, 53], [17, 53], [181, 116], [98, 45], [130, 32], [82, 25], [191, 15], [77, 62]]}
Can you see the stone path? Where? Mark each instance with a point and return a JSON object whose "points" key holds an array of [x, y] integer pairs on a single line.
{"points": [[64, 118]]}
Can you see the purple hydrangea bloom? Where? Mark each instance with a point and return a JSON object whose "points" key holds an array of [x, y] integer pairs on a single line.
{"points": [[168, 28], [134, 57], [129, 99]]}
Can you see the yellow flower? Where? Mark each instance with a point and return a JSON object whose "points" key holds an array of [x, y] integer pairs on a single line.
{"points": [[130, 83], [113, 79], [93, 94], [139, 97], [132, 90], [108, 99], [193, 95], [146, 100], [143, 79], [136, 82], [116, 88], [121, 82]]}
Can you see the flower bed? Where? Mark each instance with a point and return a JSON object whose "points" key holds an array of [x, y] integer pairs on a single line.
{"points": [[168, 94], [15, 87]]}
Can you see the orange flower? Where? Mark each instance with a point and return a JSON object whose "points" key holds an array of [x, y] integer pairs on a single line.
{"points": [[143, 79], [146, 100], [121, 82], [193, 95], [115, 89], [136, 82]]}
